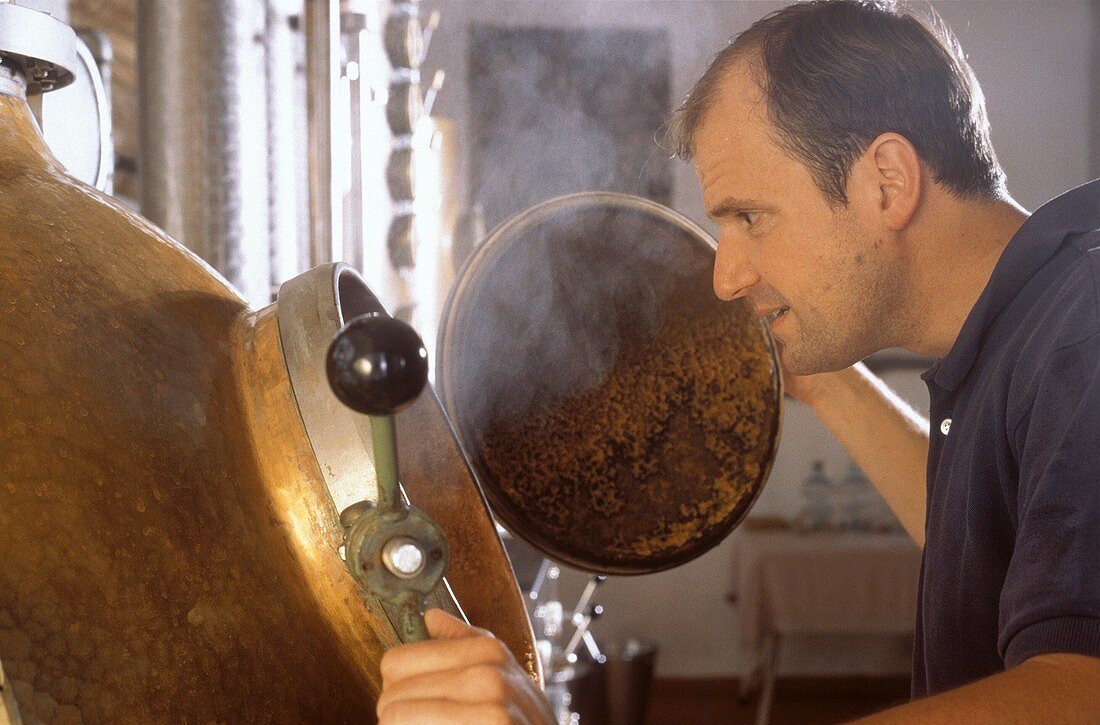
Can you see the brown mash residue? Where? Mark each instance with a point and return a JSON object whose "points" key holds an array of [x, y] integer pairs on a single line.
{"points": [[662, 456]]}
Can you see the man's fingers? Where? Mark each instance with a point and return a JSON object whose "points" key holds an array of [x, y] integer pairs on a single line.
{"points": [[480, 683], [443, 626], [438, 655], [462, 674], [447, 712]]}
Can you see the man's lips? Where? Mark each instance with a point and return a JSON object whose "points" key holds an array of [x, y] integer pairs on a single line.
{"points": [[770, 316]]}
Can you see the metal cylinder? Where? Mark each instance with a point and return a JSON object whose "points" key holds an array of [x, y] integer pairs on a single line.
{"points": [[322, 26], [289, 251], [203, 132]]}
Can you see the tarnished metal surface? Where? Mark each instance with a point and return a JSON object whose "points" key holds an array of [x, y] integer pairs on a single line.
{"points": [[168, 549], [438, 479], [166, 552], [620, 417], [311, 308]]}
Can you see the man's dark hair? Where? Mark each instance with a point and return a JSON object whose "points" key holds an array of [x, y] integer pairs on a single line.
{"points": [[838, 73]]}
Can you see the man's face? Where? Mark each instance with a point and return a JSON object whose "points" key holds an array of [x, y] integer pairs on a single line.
{"points": [[782, 245]]}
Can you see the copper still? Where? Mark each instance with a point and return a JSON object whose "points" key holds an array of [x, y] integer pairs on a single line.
{"points": [[171, 476]]}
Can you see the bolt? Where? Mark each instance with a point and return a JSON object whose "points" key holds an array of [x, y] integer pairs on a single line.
{"points": [[403, 556]]}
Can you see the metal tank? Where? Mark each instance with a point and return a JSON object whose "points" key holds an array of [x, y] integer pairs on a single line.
{"points": [[172, 472]]}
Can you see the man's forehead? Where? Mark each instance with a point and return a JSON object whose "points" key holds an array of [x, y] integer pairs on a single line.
{"points": [[733, 130], [737, 98]]}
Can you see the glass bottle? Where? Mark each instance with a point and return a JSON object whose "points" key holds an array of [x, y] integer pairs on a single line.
{"points": [[817, 493], [857, 500]]}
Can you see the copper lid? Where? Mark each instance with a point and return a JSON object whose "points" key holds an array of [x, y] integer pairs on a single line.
{"points": [[619, 417]]}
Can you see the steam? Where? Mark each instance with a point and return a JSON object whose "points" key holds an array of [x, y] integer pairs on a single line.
{"points": [[547, 307], [556, 111], [545, 311]]}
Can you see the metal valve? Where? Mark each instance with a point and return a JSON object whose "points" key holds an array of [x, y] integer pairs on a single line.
{"points": [[377, 365]]}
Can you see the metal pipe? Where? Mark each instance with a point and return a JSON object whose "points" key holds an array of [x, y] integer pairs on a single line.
{"points": [[202, 123], [322, 27], [288, 254], [582, 629], [586, 597], [354, 26]]}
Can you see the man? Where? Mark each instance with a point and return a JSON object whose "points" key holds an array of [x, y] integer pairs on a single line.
{"points": [[843, 151]]}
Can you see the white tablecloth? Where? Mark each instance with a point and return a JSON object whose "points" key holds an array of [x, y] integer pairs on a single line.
{"points": [[824, 583]]}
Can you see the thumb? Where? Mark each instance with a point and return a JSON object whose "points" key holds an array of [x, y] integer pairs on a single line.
{"points": [[444, 626]]}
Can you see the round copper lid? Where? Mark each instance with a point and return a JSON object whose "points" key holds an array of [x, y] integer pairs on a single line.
{"points": [[619, 417]]}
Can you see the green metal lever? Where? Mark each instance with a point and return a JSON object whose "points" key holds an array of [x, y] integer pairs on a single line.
{"points": [[377, 365]]}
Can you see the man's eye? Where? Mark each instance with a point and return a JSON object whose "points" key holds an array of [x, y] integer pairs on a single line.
{"points": [[749, 217]]}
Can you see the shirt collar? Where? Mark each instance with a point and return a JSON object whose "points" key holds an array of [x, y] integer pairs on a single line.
{"points": [[1033, 244]]}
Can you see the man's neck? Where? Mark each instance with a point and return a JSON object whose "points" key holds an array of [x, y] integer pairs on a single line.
{"points": [[958, 243]]}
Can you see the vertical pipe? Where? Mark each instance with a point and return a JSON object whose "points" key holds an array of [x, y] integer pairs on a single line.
{"points": [[322, 26], [354, 27], [171, 182], [202, 121], [372, 138], [284, 181]]}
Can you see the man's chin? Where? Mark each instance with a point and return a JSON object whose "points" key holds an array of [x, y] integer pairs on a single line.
{"points": [[797, 361]]}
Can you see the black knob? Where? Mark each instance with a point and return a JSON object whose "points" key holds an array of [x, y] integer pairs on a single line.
{"points": [[377, 364]]}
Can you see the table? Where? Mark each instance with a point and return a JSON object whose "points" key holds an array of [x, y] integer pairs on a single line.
{"points": [[790, 583]]}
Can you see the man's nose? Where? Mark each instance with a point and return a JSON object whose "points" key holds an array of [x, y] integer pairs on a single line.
{"points": [[733, 274]]}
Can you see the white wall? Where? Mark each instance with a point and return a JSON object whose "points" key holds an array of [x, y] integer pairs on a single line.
{"points": [[1034, 60]]}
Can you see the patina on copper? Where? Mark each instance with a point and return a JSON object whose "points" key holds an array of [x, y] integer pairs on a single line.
{"points": [[621, 418], [168, 550]]}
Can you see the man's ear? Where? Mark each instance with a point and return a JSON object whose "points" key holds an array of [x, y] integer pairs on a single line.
{"points": [[891, 176]]}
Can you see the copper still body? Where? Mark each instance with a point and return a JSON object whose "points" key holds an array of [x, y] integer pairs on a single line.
{"points": [[168, 544]]}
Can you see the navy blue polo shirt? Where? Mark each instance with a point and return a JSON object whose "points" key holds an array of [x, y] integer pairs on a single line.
{"points": [[1011, 565]]}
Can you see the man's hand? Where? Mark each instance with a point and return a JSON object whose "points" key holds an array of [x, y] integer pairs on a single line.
{"points": [[461, 675]]}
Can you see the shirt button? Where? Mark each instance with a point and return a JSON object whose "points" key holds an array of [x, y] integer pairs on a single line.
{"points": [[945, 426]]}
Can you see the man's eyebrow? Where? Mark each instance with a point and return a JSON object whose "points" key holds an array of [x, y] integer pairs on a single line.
{"points": [[729, 207]]}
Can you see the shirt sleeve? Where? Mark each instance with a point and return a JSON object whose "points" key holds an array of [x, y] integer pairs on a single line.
{"points": [[1050, 601]]}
